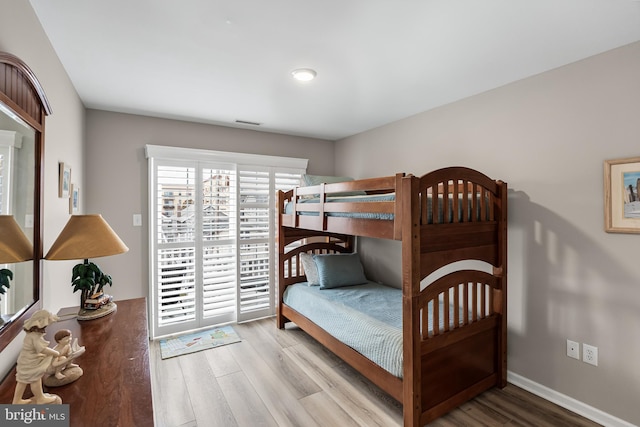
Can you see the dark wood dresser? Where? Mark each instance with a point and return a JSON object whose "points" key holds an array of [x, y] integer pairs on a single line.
{"points": [[115, 389]]}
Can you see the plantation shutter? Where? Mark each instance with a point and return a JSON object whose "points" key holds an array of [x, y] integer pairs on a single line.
{"points": [[219, 245], [3, 183], [175, 232], [9, 143], [213, 222], [257, 234], [254, 242]]}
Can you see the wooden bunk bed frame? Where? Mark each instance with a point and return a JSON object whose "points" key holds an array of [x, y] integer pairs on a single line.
{"points": [[451, 360]]}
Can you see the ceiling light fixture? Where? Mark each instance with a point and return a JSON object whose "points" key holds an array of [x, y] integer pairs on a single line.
{"points": [[304, 74]]}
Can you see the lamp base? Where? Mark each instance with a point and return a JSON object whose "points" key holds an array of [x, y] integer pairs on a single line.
{"points": [[106, 309]]}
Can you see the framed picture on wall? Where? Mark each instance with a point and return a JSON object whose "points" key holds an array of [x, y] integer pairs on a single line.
{"points": [[74, 200], [64, 179], [622, 195]]}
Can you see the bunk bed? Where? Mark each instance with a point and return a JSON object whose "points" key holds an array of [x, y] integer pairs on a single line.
{"points": [[453, 330]]}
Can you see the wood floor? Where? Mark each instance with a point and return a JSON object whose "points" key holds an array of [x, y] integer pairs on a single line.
{"points": [[285, 378]]}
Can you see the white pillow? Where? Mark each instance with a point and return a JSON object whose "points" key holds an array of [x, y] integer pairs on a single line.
{"points": [[310, 269], [319, 179], [310, 180]]}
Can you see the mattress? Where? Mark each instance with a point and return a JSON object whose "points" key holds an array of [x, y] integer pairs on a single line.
{"points": [[367, 318], [387, 197]]}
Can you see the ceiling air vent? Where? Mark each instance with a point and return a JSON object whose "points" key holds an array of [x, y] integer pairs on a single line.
{"points": [[246, 122]]}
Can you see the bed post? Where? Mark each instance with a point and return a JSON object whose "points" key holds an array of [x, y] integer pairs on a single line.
{"points": [[280, 244], [411, 394], [502, 262], [397, 214]]}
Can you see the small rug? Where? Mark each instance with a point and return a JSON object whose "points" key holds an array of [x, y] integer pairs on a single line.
{"points": [[197, 341]]}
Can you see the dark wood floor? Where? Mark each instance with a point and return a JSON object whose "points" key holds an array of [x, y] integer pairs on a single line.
{"points": [[285, 378]]}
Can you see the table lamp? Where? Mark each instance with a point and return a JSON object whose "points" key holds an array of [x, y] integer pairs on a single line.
{"points": [[14, 247], [84, 237]]}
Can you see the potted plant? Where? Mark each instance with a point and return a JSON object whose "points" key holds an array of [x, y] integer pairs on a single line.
{"points": [[89, 279], [5, 276]]}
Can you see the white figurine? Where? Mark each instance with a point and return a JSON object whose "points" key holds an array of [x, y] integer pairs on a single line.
{"points": [[62, 371], [34, 360]]}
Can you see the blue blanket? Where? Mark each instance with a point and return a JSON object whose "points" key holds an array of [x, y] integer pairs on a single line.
{"points": [[366, 317]]}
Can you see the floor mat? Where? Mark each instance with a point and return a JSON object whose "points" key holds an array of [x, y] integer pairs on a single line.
{"points": [[197, 341]]}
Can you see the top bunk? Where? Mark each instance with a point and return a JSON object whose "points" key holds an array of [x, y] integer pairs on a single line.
{"points": [[365, 207], [376, 207]]}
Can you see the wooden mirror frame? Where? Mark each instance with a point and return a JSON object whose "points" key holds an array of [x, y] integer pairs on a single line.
{"points": [[21, 91]]}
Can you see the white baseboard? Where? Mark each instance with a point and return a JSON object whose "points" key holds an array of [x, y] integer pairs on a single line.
{"points": [[567, 402]]}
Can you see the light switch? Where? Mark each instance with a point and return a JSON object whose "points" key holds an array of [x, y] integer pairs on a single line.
{"points": [[137, 220], [28, 221]]}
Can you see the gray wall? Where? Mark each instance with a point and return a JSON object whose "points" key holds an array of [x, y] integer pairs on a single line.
{"points": [[547, 136], [117, 176], [22, 35]]}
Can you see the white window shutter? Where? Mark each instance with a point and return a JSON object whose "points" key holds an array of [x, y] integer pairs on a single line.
{"points": [[212, 236]]}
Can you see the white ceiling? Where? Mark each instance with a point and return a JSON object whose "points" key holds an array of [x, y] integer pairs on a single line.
{"points": [[218, 61]]}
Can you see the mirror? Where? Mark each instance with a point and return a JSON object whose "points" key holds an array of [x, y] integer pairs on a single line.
{"points": [[17, 164], [23, 107]]}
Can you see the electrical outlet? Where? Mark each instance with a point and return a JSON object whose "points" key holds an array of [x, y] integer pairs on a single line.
{"points": [[573, 349], [590, 354]]}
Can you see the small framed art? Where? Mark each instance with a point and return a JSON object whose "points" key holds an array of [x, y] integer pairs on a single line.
{"points": [[622, 195], [64, 179], [74, 200]]}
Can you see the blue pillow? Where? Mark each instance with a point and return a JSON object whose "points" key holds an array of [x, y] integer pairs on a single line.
{"points": [[337, 270]]}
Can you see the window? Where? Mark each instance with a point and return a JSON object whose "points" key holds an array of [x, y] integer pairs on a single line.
{"points": [[212, 234]]}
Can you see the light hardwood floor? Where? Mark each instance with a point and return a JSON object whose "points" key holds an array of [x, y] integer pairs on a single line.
{"points": [[286, 378]]}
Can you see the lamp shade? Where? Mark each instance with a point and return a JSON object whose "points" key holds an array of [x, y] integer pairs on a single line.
{"points": [[86, 236], [14, 245]]}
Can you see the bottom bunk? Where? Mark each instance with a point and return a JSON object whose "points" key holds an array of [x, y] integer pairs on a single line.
{"points": [[361, 321], [367, 318]]}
